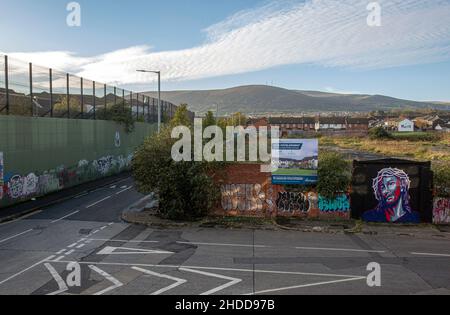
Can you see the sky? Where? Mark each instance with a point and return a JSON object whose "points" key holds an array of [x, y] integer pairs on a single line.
{"points": [[324, 45]]}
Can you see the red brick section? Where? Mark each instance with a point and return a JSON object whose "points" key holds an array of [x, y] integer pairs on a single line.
{"points": [[246, 191]]}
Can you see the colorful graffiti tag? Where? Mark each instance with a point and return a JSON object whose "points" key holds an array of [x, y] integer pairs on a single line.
{"points": [[391, 189], [18, 187], [441, 211], [243, 197], [340, 203]]}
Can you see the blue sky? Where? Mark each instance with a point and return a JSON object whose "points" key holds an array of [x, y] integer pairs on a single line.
{"points": [[202, 44]]}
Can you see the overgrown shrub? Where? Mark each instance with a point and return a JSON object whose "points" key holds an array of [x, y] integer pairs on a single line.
{"points": [[418, 136], [379, 133], [334, 174], [185, 189], [442, 179]]}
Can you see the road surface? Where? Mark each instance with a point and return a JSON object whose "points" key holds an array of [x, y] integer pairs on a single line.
{"points": [[81, 246]]}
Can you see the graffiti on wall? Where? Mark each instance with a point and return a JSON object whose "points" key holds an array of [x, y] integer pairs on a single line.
{"points": [[441, 211], [293, 202], [243, 197], [1, 175], [391, 189], [19, 187], [340, 203]]}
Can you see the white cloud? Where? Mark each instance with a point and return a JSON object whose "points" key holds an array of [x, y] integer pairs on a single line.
{"points": [[330, 33]]}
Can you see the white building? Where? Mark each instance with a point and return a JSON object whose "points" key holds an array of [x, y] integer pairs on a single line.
{"points": [[406, 126]]}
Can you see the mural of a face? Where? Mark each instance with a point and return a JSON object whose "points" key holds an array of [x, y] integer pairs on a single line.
{"points": [[391, 189]]}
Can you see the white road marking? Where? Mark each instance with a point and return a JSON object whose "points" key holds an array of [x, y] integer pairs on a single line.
{"points": [[61, 284], [61, 251], [65, 217], [342, 250], [26, 269], [307, 285], [97, 202], [218, 269], [123, 190], [59, 258], [116, 283], [73, 245], [95, 232], [81, 246], [119, 241], [102, 228], [232, 282], [14, 236], [219, 244], [70, 252], [22, 217], [109, 250], [177, 283], [431, 254]]}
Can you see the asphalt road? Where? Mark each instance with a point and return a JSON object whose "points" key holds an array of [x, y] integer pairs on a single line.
{"points": [[82, 247]]}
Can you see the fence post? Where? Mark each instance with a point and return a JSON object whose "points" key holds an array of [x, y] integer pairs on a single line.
{"points": [[115, 96], [7, 84], [50, 76], [31, 88], [123, 99]]}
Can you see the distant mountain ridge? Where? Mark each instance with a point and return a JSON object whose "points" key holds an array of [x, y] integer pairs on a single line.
{"points": [[261, 99]]}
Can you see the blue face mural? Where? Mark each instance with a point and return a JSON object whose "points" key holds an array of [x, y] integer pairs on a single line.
{"points": [[391, 189]]}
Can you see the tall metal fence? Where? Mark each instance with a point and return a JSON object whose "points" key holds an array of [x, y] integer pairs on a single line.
{"points": [[30, 90]]}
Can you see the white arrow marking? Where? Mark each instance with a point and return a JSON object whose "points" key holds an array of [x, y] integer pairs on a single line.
{"points": [[307, 285], [116, 283], [232, 282], [61, 284], [177, 283], [109, 250]]}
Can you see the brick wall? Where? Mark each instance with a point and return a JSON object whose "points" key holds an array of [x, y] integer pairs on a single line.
{"points": [[246, 191]]}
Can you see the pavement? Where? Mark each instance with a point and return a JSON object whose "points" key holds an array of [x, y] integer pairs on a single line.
{"points": [[81, 246]]}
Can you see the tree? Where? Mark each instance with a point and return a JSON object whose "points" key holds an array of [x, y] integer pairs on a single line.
{"points": [[61, 105], [181, 117], [334, 174], [185, 189], [209, 120]]}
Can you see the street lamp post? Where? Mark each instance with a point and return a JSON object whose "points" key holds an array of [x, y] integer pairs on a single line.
{"points": [[159, 94]]}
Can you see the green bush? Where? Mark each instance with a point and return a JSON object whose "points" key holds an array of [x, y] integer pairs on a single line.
{"points": [[379, 133], [442, 179], [334, 174], [418, 136], [186, 190]]}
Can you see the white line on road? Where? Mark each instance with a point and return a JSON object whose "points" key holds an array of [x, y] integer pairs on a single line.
{"points": [[118, 241], [123, 190], [72, 245], [177, 283], [14, 236], [431, 254], [96, 203], [215, 269], [61, 251], [232, 282], [70, 252], [59, 258], [29, 268], [307, 285], [116, 283], [110, 250], [61, 284], [65, 217], [342, 250], [81, 246], [219, 244]]}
